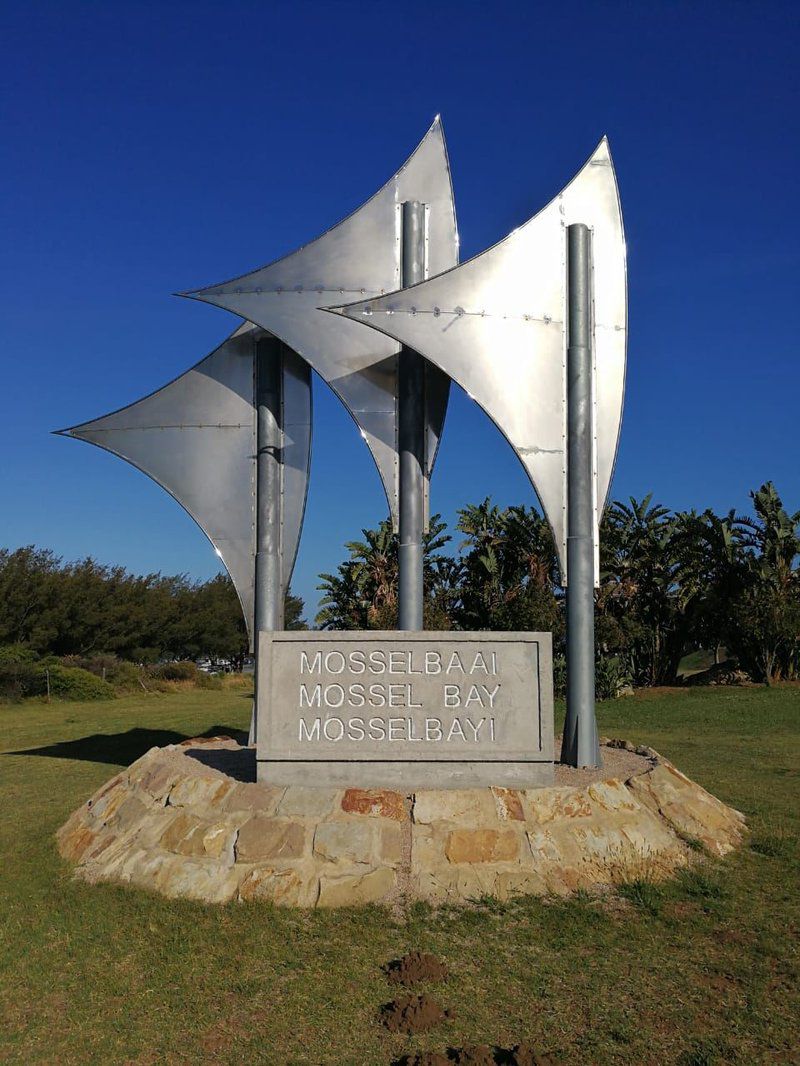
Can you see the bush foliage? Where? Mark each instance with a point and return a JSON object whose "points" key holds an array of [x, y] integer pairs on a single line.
{"points": [[670, 582]]}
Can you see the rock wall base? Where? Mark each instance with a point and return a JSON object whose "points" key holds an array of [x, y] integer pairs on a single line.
{"points": [[184, 821]]}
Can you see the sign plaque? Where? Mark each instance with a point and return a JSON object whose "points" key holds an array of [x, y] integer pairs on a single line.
{"points": [[409, 710]]}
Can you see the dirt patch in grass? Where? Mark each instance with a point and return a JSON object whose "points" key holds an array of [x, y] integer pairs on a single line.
{"points": [[415, 968], [412, 1014], [479, 1055]]}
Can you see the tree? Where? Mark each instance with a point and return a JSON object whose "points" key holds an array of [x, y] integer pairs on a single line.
{"points": [[508, 571], [293, 610], [764, 623], [638, 601], [710, 572], [362, 594]]}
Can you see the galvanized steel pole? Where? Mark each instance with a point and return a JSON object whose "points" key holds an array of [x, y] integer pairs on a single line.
{"points": [[580, 745], [411, 437], [268, 613]]}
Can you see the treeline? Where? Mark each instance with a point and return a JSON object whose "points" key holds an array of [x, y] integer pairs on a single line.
{"points": [[85, 609], [670, 583]]}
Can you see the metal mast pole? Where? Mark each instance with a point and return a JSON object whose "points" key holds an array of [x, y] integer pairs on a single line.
{"points": [[580, 745], [411, 437], [268, 612]]}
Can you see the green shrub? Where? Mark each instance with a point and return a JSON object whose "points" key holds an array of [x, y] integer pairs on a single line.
{"points": [[609, 677], [124, 676], [22, 675], [73, 683], [208, 681], [16, 654], [21, 679], [179, 671], [560, 676]]}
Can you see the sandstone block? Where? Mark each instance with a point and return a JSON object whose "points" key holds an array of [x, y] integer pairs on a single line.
{"points": [[74, 840], [613, 795], [144, 764], [482, 845], [218, 841], [104, 809], [391, 844], [300, 802], [152, 825], [142, 866], [158, 779], [268, 838], [427, 848], [508, 804], [382, 802], [548, 804], [205, 881], [544, 847], [354, 891], [469, 806], [284, 888], [184, 835], [198, 791], [114, 789], [345, 841], [521, 882], [247, 797], [102, 847], [688, 808], [131, 811]]}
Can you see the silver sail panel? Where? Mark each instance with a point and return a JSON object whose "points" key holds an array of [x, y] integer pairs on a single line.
{"points": [[497, 326], [360, 256], [196, 437]]}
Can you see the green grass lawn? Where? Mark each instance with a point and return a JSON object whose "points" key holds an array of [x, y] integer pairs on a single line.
{"points": [[702, 970]]}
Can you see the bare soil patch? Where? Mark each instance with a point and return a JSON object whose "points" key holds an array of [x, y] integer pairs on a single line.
{"points": [[412, 1014], [479, 1055], [415, 968]]}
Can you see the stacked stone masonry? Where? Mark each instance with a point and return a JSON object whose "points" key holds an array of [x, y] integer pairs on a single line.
{"points": [[175, 823]]}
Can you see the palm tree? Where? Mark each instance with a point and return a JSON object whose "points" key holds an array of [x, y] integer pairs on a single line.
{"points": [[509, 570], [710, 574], [363, 592], [765, 619], [639, 588]]}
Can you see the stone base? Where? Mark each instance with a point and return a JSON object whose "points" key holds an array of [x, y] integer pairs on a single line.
{"points": [[407, 776], [189, 820]]}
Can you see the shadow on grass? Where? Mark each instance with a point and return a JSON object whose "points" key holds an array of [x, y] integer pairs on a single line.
{"points": [[121, 749]]}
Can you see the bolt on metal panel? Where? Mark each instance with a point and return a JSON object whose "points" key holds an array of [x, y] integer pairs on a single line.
{"points": [[361, 256], [497, 326], [196, 437]]}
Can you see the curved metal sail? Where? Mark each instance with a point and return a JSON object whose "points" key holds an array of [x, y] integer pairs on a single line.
{"points": [[497, 326], [360, 256], [196, 437]]}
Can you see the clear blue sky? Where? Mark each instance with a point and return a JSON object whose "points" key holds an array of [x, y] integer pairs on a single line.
{"points": [[154, 147]]}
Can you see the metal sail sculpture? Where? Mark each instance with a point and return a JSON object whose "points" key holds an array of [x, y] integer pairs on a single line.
{"points": [[361, 256], [535, 330], [497, 325], [196, 437]]}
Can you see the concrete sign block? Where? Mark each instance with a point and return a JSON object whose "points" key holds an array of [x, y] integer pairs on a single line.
{"points": [[410, 710]]}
